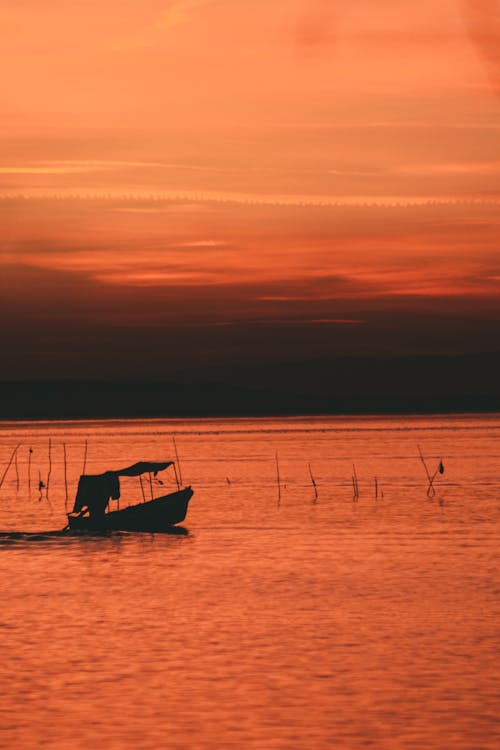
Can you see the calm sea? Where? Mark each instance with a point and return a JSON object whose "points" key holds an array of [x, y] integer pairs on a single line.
{"points": [[280, 620]]}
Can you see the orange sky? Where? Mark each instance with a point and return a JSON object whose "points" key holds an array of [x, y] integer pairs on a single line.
{"points": [[326, 167]]}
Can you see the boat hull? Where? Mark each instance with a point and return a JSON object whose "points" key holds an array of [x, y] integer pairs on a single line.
{"points": [[159, 514]]}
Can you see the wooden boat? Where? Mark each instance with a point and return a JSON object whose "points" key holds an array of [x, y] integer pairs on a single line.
{"points": [[91, 509]]}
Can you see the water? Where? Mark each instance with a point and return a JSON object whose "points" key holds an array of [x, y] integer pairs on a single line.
{"points": [[308, 623]]}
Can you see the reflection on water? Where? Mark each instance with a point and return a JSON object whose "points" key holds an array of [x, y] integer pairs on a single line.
{"points": [[312, 623], [65, 535]]}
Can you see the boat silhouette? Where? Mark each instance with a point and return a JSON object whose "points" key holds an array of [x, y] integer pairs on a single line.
{"points": [[91, 508]]}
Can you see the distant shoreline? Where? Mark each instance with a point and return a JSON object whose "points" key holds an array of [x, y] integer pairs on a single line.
{"points": [[194, 417], [68, 411], [334, 386]]}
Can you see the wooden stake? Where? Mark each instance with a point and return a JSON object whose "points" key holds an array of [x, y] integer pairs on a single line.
{"points": [[376, 488], [430, 489], [8, 465], [85, 457], [142, 489], [177, 477], [151, 485], [65, 479], [17, 471], [278, 478], [30, 451], [177, 459], [313, 483], [439, 470], [355, 483], [50, 465]]}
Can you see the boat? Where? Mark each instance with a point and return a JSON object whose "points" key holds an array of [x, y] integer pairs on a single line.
{"points": [[91, 511]]}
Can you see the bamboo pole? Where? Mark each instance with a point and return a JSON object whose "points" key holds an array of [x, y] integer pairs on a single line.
{"points": [[355, 482], [50, 466], [8, 465], [313, 483], [16, 466], [85, 457], [142, 489], [65, 479], [278, 478], [439, 470], [30, 451], [177, 459], [430, 489], [177, 477]]}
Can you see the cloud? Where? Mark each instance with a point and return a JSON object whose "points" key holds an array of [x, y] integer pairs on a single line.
{"points": [[491, 166], [51, 169], [317, 26], [203, 243], [482, 18], [248, 199], [176, 13], [179, 11], [75, 166]]}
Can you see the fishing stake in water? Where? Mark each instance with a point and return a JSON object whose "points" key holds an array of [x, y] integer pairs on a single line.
{"points": [[313, 483], [355, 484], [430, 488], [16, 466], [142, 489], [278, 482], [8, 465], [177, 460], [50, 466], [177, 480], [30, 451], [85, 458], [65, 479], [431, 492]]}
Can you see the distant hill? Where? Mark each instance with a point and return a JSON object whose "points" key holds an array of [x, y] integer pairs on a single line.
{"points": [[385, 383], [333, 385]]}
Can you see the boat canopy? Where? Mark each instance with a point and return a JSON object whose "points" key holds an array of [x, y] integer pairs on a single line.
{"points": [[143, 467], [95, 491]]}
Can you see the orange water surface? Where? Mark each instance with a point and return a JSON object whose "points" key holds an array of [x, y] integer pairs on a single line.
{"points": [[279, 621]]}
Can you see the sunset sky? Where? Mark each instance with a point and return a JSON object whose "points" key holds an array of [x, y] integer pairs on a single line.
{"points": [[239, 180]]}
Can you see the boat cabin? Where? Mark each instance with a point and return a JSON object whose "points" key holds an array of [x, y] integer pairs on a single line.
{"points": [[95, 491]]}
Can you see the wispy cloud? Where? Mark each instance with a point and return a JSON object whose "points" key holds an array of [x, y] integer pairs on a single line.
{"points": [[180, 11], [317, 26], [482, 18], [75, 166], [491, 166], [202, 243], [52, 169], [249, 199], [172, 15]]}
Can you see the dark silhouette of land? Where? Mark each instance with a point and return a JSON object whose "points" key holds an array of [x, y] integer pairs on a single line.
{"points": [[332, 385]]}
